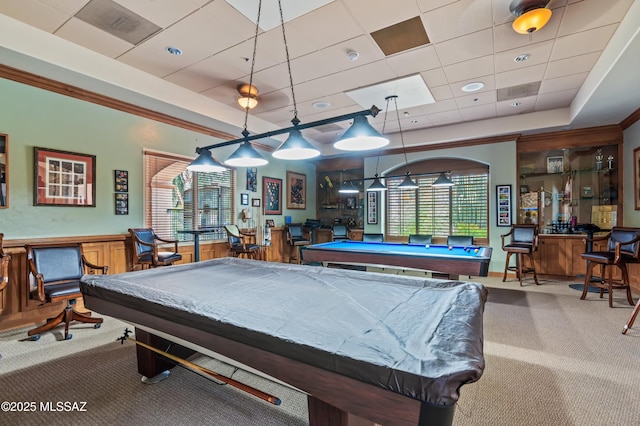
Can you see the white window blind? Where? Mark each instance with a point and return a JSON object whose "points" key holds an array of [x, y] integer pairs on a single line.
{"points": [[439, 211], [171, 194]]}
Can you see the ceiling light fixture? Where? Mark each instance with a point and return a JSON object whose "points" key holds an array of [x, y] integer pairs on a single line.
{"points": [[443, 180], [360, 136], [531, 15], [248, 96], [522, 58], [472, 87]]}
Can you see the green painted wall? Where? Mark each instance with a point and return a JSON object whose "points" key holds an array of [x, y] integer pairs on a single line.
{"points": [[34, 117]]}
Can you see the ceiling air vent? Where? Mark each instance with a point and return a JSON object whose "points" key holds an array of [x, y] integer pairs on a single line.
{"points": [[118, 21], [517, 92]]}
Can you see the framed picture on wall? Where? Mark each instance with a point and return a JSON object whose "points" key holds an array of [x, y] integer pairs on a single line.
{"points": [[244, 199], [252, 179], [121, 180], [296, 190], [372, 208], [272, 195], [63, 178], [122, 203], [255, 202], [503, 201]]}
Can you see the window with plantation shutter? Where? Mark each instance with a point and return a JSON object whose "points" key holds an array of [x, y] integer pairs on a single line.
{"points": [[440, 211], [172, 191]]}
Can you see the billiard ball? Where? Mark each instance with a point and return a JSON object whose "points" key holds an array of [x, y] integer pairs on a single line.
{"points": [[450, 247], [427, 246], [476, 250]]}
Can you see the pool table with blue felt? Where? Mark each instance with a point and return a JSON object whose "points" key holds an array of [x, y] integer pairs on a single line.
{"points": [[448, 260]]}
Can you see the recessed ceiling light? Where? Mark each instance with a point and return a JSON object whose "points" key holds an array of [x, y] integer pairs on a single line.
{"points": [[353, 55], [521, 58], [472, 87], [174, 50], [321, 105]]}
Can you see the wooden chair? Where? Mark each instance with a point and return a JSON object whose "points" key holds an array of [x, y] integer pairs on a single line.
{"points": [[56, 271], [340, 233], [296, 238], [523, 242], [420, 239], [623, 247], [372, 238], [147, 250], [237, 245], [460, 240]]}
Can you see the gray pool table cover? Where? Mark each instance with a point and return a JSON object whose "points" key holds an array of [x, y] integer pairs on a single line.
{"points": [[419, 337]]}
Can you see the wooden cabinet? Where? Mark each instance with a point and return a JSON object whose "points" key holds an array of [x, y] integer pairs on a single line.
{"points": [[552, 255], [332, 205]]}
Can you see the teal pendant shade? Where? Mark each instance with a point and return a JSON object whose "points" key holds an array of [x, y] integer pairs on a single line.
{"points": [[206, 163], [377, 185], [348, 188], [407, 183], [443, 180], [361, 136], [296, 147], [245, 156]]}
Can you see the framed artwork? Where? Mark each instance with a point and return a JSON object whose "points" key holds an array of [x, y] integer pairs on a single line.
{"points": [[372, 208], [271, 223], [63, 178], [503, 200], [636, 177], [244, 199], [121, 180], [255, 202], [524, 189], [555, 164], [122, 203], [272, 195], [296, 190], [252, 179], [4, 170]]}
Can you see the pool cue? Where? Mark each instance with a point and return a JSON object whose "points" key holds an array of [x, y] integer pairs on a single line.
{"points": [[246, 388]]}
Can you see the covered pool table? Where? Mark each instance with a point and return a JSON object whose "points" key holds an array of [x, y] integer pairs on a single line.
{"points": [[392, 349], [449, 260]]}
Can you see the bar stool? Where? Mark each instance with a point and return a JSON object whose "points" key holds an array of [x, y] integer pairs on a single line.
{"points": [[623, 247], [296, 239], [524, 241]]}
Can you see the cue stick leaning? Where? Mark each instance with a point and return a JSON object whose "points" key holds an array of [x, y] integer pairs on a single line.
{"points": [[236, 384]]}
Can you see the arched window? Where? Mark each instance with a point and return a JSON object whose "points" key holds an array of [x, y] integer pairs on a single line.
{"points": [[462, 209], [171, 193]]}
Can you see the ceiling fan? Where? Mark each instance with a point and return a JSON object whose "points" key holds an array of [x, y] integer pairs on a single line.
{"points": [[531, 15]]}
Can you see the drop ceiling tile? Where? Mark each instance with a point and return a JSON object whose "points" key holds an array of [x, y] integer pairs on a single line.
{"points": [[469, 70], [525, 105], [446, 105], [381, 13], [83, 34], [574, 65], [68, 7], [479, 112], [539, 54], [34, 13], [581, 43], [427, 5], [444, 118], [270, 13], [521, 76], [470, 46], [573, 81], [411, 91], [415, 60], [455, 19], [555, 100], [488, 80], [162, 12], [434, 77], [591, 14], [475, 99], [441, 93]]}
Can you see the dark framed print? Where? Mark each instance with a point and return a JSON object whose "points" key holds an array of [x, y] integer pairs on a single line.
{"points": [[63, 178], [296, 190], [372, 208], [555, 164], [122, 203], [252, 179], [503, 204], [255, 202], [636, 177], [4, 171], [121, 180], [272, 195], [244, 199]]}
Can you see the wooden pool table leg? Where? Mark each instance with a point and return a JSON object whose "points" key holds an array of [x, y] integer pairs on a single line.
{"points": [[150, 364]]}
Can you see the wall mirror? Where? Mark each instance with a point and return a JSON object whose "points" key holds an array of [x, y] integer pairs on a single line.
{"points": [[4, 172]]}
